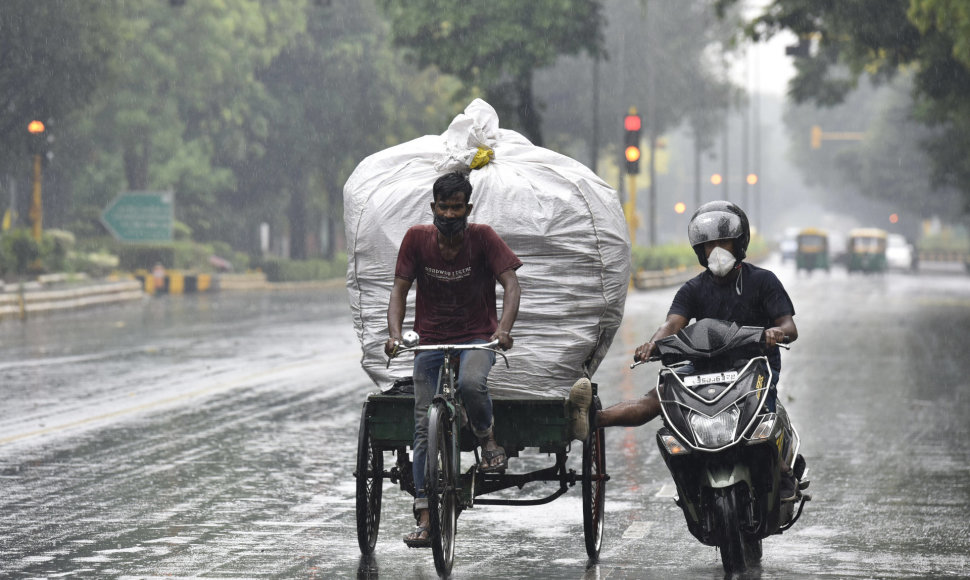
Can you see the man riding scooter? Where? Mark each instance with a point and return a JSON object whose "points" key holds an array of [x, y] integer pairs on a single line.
{"points": [[729, 289]]}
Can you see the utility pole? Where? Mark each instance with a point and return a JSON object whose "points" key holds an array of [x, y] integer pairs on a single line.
{"points": [[652, 120], [594, 146]]}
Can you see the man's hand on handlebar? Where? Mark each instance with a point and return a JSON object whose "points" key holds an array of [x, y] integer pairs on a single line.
{"points": [[504, 339], [391, 346], [775, 336], [643, 352]]}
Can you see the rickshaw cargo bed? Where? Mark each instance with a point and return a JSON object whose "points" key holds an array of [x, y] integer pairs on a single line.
{"points": [[519, 423]]}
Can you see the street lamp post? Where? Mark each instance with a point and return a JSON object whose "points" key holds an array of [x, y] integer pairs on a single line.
{"points": [[36, 129]]}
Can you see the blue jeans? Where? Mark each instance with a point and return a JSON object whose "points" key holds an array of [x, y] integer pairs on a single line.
{"points": [[472, 378]]}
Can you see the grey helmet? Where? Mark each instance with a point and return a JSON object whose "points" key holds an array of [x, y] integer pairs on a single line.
{"points": [[719, 220]]}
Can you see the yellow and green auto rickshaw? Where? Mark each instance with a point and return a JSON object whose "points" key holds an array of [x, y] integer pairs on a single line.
{"points": [[812, 251], [867, 250]]}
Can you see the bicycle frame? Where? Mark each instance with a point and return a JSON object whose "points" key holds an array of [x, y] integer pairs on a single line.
{"points": [[442, 467]]}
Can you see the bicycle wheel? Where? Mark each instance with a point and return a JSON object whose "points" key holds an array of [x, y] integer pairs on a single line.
{"points": [[442, 487], [594, 490], [369, 473]]}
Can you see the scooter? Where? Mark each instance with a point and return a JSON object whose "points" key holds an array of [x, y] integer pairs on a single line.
{"points": [[727, 444]]}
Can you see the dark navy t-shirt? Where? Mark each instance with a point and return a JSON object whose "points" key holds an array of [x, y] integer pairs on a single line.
{"points": [[763, 299]]}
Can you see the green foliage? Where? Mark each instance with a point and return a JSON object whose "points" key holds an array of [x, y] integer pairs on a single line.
{"points": [[180, 255], [145, 256], [181, 231], [94, 264], [663, 257], [496, 47], [280, 270], [18, 250], [55, 247], [660, 59], [677, 256], [21, 254], [879, 39], [249, 111], [53, 56]]}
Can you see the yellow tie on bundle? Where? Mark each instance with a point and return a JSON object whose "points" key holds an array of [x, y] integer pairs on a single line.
{"points": [[482, 157]]}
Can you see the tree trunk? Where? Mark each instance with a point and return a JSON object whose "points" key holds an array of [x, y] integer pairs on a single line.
{"points": [[298, 224], [527, 111], [136, 165]]}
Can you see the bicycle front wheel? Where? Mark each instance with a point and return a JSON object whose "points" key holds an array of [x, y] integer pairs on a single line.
{"points": [[442, 487], [370, 472]]}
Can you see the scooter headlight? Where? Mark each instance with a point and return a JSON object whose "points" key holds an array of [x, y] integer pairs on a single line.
{"points": [[716, 431]]}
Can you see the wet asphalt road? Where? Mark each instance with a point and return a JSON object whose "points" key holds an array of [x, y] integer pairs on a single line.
{"points": [[214, 436]]}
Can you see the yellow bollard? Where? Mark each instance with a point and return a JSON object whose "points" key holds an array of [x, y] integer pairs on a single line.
{"points": [[176, 282]]}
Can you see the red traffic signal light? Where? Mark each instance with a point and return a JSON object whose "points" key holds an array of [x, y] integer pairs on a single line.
{"points": [[631, 142]]}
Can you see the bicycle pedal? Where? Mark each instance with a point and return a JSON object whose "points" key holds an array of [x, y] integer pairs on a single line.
{"points": [[803, 484]]}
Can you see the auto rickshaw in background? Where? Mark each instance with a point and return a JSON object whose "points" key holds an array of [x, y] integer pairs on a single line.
{"points": [[867, 250], [812, 251]]}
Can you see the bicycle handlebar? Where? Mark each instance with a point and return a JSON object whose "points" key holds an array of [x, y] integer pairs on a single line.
{"points": [[490, 346]]}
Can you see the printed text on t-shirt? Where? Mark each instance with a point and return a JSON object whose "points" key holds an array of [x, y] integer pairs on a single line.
{"points": [[448, 275]]}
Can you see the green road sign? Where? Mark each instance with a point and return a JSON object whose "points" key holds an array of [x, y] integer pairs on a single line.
{"points": [[141, 216]]}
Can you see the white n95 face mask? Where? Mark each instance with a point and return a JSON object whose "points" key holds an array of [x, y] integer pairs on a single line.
{"points": [[720, 262]]}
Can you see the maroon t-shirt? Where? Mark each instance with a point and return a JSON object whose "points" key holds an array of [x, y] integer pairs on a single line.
{"points": [[455, 300]]}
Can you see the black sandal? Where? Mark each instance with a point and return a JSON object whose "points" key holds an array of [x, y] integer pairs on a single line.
{"points": [[488, 456], [414, 539]]}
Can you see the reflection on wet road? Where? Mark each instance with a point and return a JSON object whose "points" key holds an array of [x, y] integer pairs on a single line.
{"points": [[215, 436]]}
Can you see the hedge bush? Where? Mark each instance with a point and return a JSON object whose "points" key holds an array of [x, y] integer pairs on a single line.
{"points": [[21, 254], [682, 255], [282, 270], [662, 257]]}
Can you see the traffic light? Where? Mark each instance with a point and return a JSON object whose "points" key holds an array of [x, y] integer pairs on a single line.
{"points": [[631, 142], [38, 137]]}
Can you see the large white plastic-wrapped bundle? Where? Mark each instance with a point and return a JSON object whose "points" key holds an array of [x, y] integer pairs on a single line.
{"points": [[563, 222]]}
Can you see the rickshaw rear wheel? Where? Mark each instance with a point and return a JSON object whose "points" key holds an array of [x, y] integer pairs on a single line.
{"points": [[594, 488], [370, 474], [442, 487]]}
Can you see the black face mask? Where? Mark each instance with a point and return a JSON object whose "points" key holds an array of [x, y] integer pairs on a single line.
{"points": [[450, 227]]}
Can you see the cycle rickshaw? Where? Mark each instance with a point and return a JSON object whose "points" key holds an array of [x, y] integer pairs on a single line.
{"points": [[387, 427]]}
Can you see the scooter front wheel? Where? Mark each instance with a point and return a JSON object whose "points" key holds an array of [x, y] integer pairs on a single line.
{"points": [[738, 550]]}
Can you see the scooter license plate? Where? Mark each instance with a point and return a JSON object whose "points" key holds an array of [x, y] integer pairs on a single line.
{"points": [[725, 377]]}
